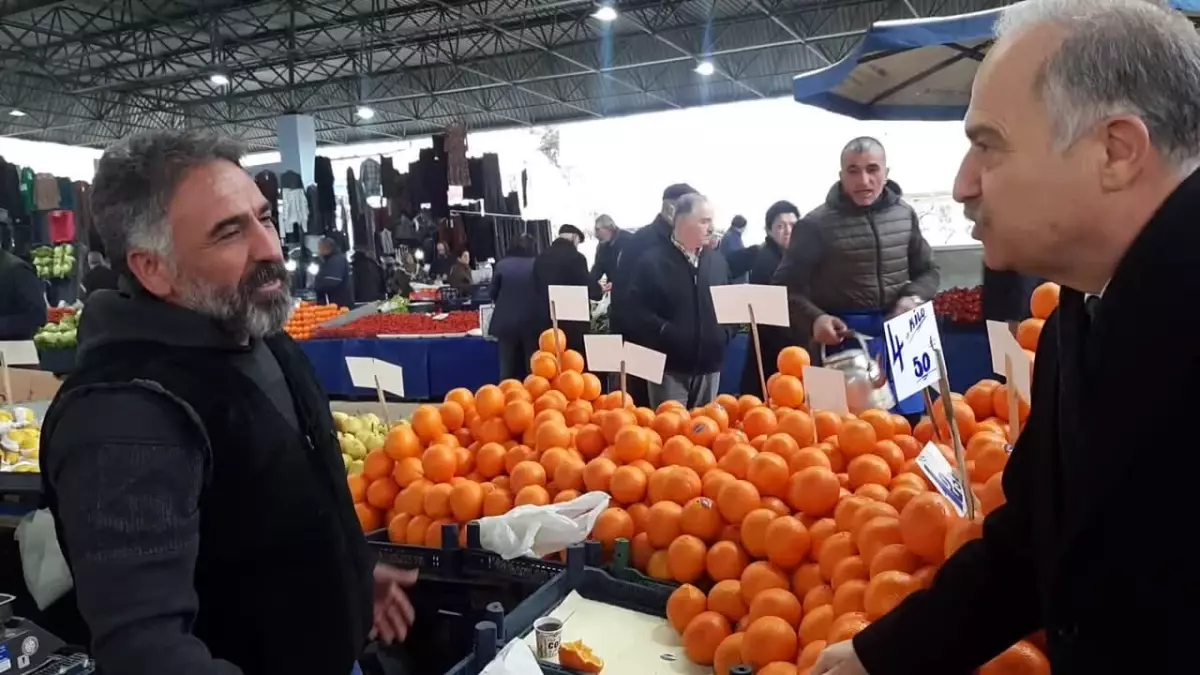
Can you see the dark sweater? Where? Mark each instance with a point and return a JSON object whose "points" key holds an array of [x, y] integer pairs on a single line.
{"points": [[200, 500], [22, 299]]}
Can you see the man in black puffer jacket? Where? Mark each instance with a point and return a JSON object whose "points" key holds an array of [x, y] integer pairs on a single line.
{"points": [[861, 252]]}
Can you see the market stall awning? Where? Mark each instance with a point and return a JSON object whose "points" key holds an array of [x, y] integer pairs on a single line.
{"points": [[920, 69]]}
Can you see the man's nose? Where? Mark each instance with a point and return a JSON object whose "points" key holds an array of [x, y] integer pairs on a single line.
{"points": [[967, 184], [265, 244]]}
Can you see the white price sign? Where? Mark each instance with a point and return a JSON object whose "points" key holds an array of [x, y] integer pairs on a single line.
{"points": [[912, 338]]}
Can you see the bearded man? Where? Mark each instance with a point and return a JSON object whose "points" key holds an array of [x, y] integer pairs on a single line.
{"points": [[190, 462]]}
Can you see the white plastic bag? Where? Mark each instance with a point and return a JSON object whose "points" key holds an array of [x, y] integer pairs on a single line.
{"points": [[541, 530], [46, 572]]}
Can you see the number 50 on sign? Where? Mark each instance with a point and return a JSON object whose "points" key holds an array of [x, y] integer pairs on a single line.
{"points": [[911, 340]]}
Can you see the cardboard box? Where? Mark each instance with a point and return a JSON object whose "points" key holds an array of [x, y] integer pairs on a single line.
{"points": [[29, 386]]}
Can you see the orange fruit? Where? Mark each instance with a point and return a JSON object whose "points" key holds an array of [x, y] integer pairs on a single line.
{"points": [[778, 668], [725, 598], [358, 487], [699, 517], [869, 469], [875, 534], [685, 604], [806, 457], [402, 442], [552, 339], [737, 460], [466, 501], [728, 654], [640, 549], [736, 499], [769, 473], [818, 596], [407, 471], [960, 532], [439, 463], [895, 558], [591, 387], [881, 421], [792, 361], [815, 625], [702, 430], [786, 390], [885, 591], [787, 542], [703, 635], [805, 578], [991, 495], [809, 655], [427, 423], [799, 425], [847, 569], [754, 531], [1029, 332], [680, 484], [497, 503], [526, 473], [686, 557], [776, 602], [846, 627], [769, 639], [369, 519], [535, 495], [759, 421], [777, 505], [398, 528], [568, 475], [760, 576], [664, 523], [382, 493], [376, 465], [632, 443], [868, 511], [598, 474], [848, 596], [570, 383], [836, 548], [924, 523], [726, 561], [437, 500], [628, 485], [856, 437], [1023, 658], [814, 491], [572, 361]]}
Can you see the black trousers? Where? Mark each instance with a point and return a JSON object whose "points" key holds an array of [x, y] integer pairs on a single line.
{"points": [[515, 354]]}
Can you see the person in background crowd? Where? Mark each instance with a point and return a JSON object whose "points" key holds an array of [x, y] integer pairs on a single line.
{"points": [[205, 537], [608, 253], [857, 259], [514, 315], [658, 231], [99, 276], [333, 284], [442, 263], [732, 243], [370, 281], [671, 307], [1005, 295], [22, 298], [1082, 169], [459, 277], [561, 264], [780, 220]]}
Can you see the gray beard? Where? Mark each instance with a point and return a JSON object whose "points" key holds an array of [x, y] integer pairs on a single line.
{"points": [[237, 310]]}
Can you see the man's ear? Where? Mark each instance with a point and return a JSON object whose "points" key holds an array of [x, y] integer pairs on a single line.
{"points": [[151, 272], [1127, 147]]}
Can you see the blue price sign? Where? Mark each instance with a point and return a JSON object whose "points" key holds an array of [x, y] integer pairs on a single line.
{"points": [[911, 340]]}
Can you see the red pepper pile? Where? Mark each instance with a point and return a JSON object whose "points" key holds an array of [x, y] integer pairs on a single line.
{"points": [[402, 324], [56, 314], [960, 305]]}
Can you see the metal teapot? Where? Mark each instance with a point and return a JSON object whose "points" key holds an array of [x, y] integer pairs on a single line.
{"points": [[866, 378]]}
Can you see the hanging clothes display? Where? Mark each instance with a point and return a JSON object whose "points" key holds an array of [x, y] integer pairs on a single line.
{"points": [[457, 171], [481, 236], [83, 215], [293, 211], [525, 188], [291, 180], [370, 174], [268, 185], [46, 196], [358, 216], [313, 226], [493, 187], [323, 176], [512, 204]]}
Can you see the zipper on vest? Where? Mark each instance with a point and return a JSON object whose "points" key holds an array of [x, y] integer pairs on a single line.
{"points": [[878, 260]]}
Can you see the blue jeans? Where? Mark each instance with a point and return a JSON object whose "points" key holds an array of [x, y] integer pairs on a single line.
{"points": [[356, 670]]}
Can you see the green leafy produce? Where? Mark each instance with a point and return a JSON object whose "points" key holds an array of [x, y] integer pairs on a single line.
{"points": [[54, 262]]}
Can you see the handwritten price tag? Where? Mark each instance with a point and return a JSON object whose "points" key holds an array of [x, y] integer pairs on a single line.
{"points": [[911, 339], [943, 476]]}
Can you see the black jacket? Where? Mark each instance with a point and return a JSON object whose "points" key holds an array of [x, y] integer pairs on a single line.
{"points": [[1048, 557], [513, 291], [774, 339], [22, 299], [562, 265], [334, 285], [200, 499], [99, 278], [459, 279], [370, 281], [608, 257], [670, 309], [1005, 295], [638, 243]]}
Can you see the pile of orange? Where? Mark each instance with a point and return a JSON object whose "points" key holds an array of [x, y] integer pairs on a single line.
{"points": [[1042, 303], [308, 316], [802, 527]]}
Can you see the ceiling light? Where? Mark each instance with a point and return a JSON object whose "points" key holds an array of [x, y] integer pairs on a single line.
{"points": [[218, 79], [313, 269], [290, 265], [364, 113], [605, 13], [705, 68], [16, 113]]}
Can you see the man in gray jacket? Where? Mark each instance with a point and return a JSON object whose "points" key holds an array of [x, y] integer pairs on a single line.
{"points": [[859, 258]]}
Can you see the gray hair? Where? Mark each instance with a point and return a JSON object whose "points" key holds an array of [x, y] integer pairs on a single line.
{"points": [[864, 145], [606, 222], [1119, 57], [689, 204], [136, 180]]}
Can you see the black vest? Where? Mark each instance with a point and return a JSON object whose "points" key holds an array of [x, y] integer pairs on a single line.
{"points": [[283, 574]]}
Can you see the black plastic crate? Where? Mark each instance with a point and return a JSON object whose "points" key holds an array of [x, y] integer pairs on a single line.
{"points": [[621, 567], [459, 591]]}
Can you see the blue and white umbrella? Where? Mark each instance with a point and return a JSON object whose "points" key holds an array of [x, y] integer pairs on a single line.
{"points": [[919, 69]]}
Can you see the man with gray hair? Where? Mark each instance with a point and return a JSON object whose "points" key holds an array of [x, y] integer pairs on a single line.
{"points": [[191, 461], [671, 307], [1085, 138], [608, 253]]}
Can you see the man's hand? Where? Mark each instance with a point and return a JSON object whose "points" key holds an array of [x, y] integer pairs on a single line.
{"points": [[829, 330], [606, 287], [839, 659], [394, 614], [904, 304]]}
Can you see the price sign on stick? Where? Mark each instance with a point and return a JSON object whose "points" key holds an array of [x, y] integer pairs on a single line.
{"points": [[605, 353], [570, 303], [943, 477], [753, 304], [912, 338], [369, 373], [644, 362], [952, 421], [826, 390], [1011, 361]]}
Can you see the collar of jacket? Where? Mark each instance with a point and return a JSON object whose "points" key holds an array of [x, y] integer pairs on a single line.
{"points": [[837, 200]]}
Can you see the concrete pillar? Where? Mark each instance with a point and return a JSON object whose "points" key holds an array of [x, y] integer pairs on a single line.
{"points": [[297, 136]]}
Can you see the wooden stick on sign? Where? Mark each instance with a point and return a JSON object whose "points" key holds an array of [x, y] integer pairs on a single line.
{"points": [[929, 411], [8, 394], [951, 421], [557, 344], [387, 419], [762, 377], [1014, 406], [624, 386]]}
